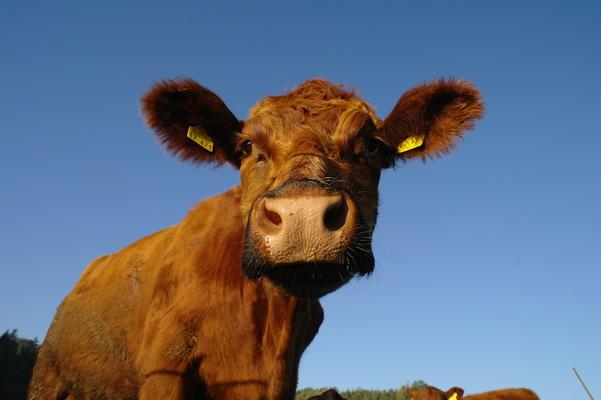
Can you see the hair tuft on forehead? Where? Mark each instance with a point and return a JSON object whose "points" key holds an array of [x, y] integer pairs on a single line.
{"points": [[312, 97], [320, 89]]}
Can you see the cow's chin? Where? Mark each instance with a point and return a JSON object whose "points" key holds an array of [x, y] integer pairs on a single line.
{"points": [[307, 280]]}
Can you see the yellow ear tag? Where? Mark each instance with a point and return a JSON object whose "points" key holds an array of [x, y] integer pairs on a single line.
{"points": [[453, 396], [411, 143], [200, 136]]}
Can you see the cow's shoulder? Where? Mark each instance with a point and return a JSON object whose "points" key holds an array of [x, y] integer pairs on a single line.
{"points": [[216, 215], [215, 211]]}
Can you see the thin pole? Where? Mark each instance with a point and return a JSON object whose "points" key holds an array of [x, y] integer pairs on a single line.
{"points": [[582, 383]]}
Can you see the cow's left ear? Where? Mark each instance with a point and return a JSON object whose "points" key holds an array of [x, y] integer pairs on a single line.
{"points": [[191, 121], [429, 119], [454, 393]]}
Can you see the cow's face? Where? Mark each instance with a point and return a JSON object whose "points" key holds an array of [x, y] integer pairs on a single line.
{"points": [[310, 164]]}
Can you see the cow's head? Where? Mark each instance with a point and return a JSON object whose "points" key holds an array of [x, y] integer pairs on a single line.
{"points": [[310, 162], [433, 393]]}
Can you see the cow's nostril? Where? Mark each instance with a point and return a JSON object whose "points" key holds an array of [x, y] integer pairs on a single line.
{"points": [[335, 215], [273, 216], [269, 218]]}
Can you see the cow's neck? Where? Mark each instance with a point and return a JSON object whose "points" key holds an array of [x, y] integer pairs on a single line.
{"points": [[283, 327], [275, 327]]}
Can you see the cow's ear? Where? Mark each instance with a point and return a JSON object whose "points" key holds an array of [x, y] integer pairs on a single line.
{"points": [[429, 119], [454, 393], [192, 122]]}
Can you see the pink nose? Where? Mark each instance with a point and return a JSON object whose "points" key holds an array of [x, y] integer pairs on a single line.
{"points": [[309, 228]]}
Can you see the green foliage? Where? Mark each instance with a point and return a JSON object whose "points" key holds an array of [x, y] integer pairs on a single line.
{"points": [[17, 356], [365, 394], [415, 385]]}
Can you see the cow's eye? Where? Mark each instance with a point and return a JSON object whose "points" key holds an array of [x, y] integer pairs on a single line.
{"points": [[244, 149], [372, 147]]}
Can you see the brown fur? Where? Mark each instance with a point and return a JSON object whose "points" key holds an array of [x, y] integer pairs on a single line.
{"points": [[171, 106], [192, 311], [432, 393], [504, 394], [441, 110]]}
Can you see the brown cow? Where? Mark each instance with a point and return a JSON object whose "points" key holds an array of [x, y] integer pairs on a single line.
{"points": [[223, 304], [456, 393], [433, 393]]}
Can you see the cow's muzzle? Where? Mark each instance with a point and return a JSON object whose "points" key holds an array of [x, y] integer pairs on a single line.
{"points": [[301, 236]]}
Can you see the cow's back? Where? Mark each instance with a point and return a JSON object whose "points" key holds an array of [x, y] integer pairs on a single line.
{"points": [[504, 394], [95, 345]]}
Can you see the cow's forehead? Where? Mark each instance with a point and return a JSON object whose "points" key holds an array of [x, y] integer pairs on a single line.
{"points": [[316, 103]]}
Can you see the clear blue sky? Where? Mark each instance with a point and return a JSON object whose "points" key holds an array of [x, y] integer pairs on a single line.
{"points": [[488, 261]]}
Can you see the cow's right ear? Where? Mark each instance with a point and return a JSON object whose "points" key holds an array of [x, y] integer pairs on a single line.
{"points": [[191, 121]]}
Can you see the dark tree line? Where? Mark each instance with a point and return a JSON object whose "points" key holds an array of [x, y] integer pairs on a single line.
{"points": [[17, 356]]}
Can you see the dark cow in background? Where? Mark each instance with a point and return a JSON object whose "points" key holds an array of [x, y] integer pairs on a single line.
{"points": [[456, 393], [330, 394], [222, 305]]}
